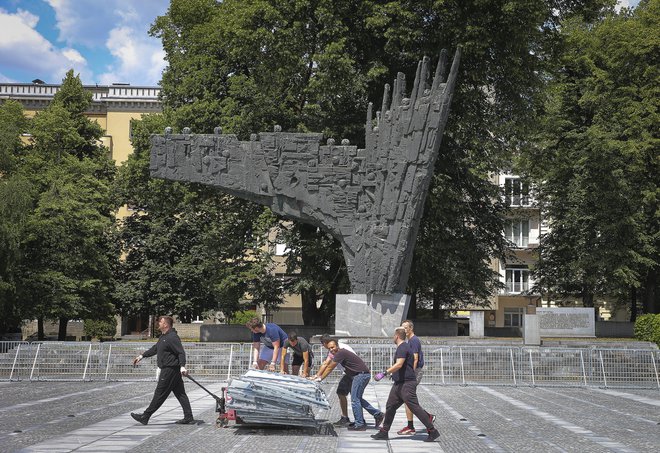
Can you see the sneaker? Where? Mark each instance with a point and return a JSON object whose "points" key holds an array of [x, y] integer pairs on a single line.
{"points": [[380, 435], [140, 418], [186, 421], [432, 418], [357, 428], [344, 421], [379, 419], [433, 435], [407, 431]]}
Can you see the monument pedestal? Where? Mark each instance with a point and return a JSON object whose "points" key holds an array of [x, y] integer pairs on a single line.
{"points": [[531, 332], [369, 315], [476, 324]]}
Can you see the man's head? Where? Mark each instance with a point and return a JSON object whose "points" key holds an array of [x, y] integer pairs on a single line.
{"points": [[165, 323], [255, 325], [409, 326], [325, 339], [332, 346], [293, 338], [399, 335]]}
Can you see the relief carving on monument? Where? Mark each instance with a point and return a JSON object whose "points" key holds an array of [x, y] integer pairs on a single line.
{"points": [[370, 199]]}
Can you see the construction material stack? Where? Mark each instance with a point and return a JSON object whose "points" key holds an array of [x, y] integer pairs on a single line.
{"points": [[263, 397]]}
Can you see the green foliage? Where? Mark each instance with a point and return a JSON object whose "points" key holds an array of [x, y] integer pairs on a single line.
{"points": [[185, 245], [597, 165], [57, 212], [101, 328], [647, 328], [242, 317], [246, 65]]}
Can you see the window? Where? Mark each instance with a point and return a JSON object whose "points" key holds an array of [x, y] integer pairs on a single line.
{"points": [[517, 231], [281, 249], [513, 317], [517, 279], [516, 192]]}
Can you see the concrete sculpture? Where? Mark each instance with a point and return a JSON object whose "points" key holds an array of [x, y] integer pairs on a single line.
{"points": [[370, 199]]}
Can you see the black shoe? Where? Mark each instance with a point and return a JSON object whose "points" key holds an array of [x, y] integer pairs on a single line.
{"points": [[379, 419], [344, 421], [186, 421], [357, 428], [140, 418], [433, 435], [380, 435]]}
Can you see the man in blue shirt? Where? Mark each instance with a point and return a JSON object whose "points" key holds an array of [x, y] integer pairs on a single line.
{"points": [[267, 339], [404, 389]]}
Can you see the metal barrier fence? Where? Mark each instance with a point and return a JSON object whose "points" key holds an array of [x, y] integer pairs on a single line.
{"points": [[444, 365]]}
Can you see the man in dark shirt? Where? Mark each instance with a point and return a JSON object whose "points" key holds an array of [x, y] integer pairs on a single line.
{"points": [[404, 389], [418, 367], [354, 367], [302, 354], [171, 359]]}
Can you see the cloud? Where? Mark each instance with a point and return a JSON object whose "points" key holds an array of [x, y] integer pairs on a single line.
{"points": [[137, 59], [27, 51], [121, 27]]}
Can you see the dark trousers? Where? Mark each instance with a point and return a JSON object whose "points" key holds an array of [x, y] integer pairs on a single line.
{"points": [[170, 380], [404, 392]]}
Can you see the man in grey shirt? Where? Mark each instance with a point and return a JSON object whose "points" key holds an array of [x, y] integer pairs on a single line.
{"points": [[302, 354]]}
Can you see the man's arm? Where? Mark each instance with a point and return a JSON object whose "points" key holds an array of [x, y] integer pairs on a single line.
{"points": [[284, 351], [148, 353], [324, 365], [415, 360], [328, 369], [306, 364], [397, 366], [276, 350], [255, 353], [177, 348]]}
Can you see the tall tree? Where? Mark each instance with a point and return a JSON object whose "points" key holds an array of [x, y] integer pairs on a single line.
{"points": [[597, 168], [67, 245], [314, 65], [15, 206]]}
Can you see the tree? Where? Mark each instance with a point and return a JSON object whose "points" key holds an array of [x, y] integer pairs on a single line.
{"points": [[314, 65], [15, 205], [66, 244], [597, 168], [185, 244]]}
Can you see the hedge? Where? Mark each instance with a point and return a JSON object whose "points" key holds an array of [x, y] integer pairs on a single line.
{"points": [[647, 328]]}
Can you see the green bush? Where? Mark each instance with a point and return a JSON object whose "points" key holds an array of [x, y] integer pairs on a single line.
{"points": [[647, 328], [241, 317], [100, 328]]}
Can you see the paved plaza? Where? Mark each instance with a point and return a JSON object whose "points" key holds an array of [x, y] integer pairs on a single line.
{"points": [[95, 417]]}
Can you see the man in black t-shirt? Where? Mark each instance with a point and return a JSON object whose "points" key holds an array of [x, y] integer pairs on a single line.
{"points": [[404, 389]]}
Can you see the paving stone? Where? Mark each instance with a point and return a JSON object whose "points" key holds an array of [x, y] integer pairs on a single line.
{"points": [[95, 417]]}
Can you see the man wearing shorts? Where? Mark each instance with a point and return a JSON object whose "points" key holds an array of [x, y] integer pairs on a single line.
{"points": [[345, 383], [302, 354], [267, 339]]}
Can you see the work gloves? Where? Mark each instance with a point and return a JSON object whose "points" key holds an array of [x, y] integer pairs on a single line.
{"points": [[380, 375]]}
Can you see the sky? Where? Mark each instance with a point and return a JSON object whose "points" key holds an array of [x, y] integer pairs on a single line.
{"points": [[103, 41]]}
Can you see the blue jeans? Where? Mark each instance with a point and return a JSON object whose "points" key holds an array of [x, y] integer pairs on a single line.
{"points": [[360, 382]]}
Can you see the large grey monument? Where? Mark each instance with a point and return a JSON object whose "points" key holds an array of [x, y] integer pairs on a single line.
{"points": [[370, 199]]}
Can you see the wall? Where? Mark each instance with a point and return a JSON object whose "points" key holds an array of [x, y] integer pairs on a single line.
{"points": [[615, 329]]}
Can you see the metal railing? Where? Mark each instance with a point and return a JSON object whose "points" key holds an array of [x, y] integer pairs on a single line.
{"points": [[444, 365]]}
